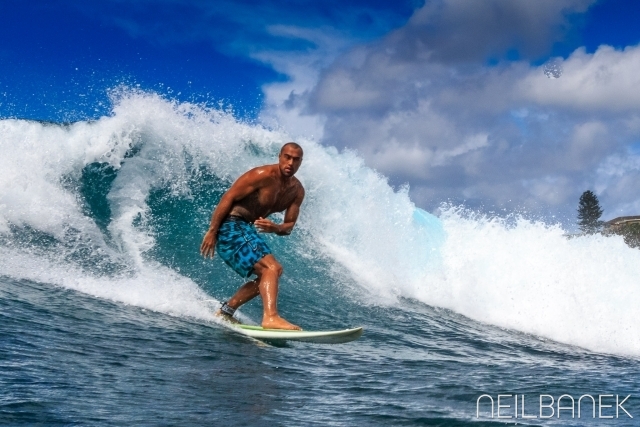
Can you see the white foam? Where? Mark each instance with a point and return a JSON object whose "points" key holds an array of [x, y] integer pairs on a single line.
{"points": [[154, 287], [531, 278], [37, 159], [526, 276]]}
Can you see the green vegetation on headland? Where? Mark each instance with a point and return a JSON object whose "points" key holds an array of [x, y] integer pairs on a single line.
{"points": [[627, 227], [589, 213]]}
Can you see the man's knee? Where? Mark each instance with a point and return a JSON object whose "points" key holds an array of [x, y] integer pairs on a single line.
{"points": [[276, 267], [268, 263]]}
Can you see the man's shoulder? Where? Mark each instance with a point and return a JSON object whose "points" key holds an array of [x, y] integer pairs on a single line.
{"points": [[297, 183], [262, 172], [298, 186]]}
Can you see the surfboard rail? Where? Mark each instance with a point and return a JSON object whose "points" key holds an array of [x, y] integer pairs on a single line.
{"points": [[318, 337]]}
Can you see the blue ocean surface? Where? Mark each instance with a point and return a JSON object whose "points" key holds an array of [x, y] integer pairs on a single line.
{"points": [[106, 307]]}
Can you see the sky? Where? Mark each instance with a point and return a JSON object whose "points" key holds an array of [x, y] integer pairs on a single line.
{"points": [[504, 106]]}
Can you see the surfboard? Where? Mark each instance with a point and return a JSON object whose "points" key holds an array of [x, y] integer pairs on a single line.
{"points": [[319, 337]]}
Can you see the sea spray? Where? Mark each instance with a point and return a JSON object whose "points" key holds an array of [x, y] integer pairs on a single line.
{"points": [[530, 277]]}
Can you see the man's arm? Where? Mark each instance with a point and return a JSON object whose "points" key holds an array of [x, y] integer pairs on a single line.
{"points": [[245, 185], [290, 218]]}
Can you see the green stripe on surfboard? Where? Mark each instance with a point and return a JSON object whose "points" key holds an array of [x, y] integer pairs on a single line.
{"points": [[320, 337], [260, 328]]}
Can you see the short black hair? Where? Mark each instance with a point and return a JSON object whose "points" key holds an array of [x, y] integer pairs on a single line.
{"points": [[294, 145]]}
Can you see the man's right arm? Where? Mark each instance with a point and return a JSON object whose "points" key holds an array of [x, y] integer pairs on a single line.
{"points": [[245, 185]]}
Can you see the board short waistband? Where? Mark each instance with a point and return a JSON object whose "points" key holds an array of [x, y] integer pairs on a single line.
{"points": [[235, 218]]}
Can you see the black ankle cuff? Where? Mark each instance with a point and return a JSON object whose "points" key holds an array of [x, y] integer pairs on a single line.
{"points": [[226, 309]]}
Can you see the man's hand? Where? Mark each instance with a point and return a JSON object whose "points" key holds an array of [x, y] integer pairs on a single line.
{"points": [[208, 245], [266, 226]]}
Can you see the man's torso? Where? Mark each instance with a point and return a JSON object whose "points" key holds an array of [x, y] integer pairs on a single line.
{"points": [[272, 197]]}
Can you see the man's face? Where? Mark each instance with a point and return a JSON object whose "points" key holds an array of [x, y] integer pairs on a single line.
{"points": [[290, 160]]}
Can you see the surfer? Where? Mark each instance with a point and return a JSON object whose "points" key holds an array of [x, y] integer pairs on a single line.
{"points": [[243, 209]]}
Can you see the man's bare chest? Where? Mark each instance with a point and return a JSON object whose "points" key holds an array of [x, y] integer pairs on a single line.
{"points": [[276, 198]]}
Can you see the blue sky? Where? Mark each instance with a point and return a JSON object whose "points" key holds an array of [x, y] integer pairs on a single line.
{"points": [[59, 58], [449, 96]]}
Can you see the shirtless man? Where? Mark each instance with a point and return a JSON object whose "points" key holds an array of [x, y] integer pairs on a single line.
{"points": [[254, 196]]}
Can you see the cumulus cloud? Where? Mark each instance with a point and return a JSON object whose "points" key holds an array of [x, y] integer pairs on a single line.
{"points": [[422, 106], [617, 177], [461, 30], [601, 82]]}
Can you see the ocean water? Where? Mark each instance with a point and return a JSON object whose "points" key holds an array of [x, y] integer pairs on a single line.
{"points": [[106, 306]]}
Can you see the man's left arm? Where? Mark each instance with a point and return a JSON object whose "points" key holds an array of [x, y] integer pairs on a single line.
{"points": [[290, 218]]}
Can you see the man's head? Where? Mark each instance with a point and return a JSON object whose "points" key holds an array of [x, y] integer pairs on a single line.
{"points": [[290, 159]]}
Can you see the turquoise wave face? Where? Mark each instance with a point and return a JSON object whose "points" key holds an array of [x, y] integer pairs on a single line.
{"points": [[315, 290], [118, 207]]}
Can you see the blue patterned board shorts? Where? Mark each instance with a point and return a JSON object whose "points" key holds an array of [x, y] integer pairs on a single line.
{"points": [[240, 246]]}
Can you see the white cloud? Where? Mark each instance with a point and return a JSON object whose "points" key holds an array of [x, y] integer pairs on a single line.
{"points": [[461, 30], [589, 142], [617, 179], [551, 190], [422, 106], [605, 81], [470, 143], [286, 102]]}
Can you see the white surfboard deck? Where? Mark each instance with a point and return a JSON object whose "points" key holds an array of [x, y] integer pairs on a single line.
{"points": [[319, 337]]}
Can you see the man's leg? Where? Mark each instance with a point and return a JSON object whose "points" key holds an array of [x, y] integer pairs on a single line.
{"points": [[269, 271], [246, 293]]}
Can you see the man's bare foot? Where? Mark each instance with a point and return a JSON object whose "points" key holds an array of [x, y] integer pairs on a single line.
{"points": [[277, 322], [226, 317]]}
